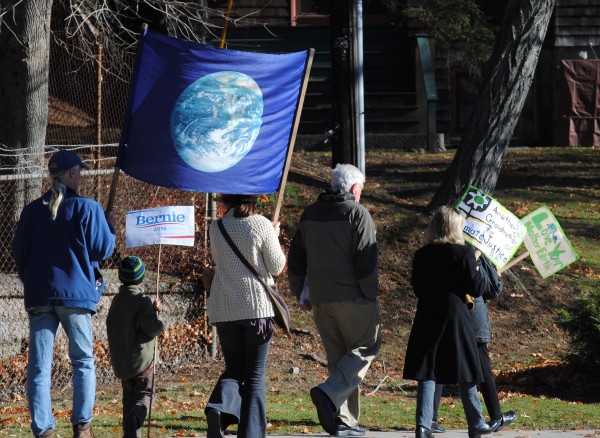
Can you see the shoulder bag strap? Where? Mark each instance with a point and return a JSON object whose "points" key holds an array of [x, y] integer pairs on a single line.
{"points": [[239, 254], [282, 312]]}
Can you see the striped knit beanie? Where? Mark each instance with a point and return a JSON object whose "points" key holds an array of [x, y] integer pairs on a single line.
{"points": [[131, 270]]}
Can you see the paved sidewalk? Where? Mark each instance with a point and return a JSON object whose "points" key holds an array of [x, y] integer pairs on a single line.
{"points": [[510, 433]]}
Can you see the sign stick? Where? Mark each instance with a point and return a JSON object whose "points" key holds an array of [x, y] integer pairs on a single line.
{"points": [[155, 345], [288, 160], [515, 261]]}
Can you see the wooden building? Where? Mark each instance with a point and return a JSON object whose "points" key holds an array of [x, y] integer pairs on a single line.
{"points": [[396, 104], [561, 109]]}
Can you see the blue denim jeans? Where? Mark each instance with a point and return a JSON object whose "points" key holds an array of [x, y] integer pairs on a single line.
{"points": [[468, 396], [43, 325], [240, 392]]}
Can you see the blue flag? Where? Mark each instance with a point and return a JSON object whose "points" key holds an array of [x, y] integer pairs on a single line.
{"points": [[205, 119]]}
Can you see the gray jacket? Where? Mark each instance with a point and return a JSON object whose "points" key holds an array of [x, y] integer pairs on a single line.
{"points": [[335, 247], [493, 289]]}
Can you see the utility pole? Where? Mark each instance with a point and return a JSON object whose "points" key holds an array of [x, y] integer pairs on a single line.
{"points": [[347, 73]]}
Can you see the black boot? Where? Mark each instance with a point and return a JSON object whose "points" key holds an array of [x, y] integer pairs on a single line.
{"points": [[423, 432], [215, 423], [484, 429], [506, 419]]}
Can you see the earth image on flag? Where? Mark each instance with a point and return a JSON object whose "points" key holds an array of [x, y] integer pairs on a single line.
{"points": [[216, 120]]}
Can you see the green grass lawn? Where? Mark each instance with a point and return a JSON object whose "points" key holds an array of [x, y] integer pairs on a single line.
{"points": [[179, 411]]}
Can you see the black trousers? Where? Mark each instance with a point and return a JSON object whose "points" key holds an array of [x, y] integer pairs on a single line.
{"points": [[488, 386]]}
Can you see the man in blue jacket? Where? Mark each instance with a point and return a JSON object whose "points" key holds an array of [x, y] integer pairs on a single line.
{"points": [[59, 242], [335, 248]]}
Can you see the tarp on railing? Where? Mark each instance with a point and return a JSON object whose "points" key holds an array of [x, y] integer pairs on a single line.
{"points": [[578, 103]]}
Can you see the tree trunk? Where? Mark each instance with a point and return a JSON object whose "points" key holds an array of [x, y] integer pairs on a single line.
{"points": [[24, 64], [512, 66]]}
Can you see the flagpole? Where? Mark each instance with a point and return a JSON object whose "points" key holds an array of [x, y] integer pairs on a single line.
{"points": [[113, 189], [210, 198], [115, 178], [224, 34], [155, 344], [288, 160]]}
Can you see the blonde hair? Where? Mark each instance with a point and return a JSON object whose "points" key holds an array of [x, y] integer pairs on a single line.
{"points": [[58, 189], [446, 226]]}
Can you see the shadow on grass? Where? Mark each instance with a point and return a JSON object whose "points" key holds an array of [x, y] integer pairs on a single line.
{"points": [[566, 381]]}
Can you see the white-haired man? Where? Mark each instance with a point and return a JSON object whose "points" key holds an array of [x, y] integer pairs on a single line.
{"points": [[335, 249]]}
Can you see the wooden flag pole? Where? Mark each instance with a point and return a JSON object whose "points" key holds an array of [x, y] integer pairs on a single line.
{"points": [[288, 160], [113, 189], [115, 178], [155, 345], [211, 211], [224, 34], [515, 261]]}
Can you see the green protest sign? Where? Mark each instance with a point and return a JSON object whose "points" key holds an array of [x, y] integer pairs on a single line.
{"points": [[546, 243], [490, 227]]}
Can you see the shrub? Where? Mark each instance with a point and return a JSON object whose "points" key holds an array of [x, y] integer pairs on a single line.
{"points": [[583, 324]]}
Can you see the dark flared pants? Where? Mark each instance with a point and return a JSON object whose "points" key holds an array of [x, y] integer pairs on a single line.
{"points": [[240, 391]]}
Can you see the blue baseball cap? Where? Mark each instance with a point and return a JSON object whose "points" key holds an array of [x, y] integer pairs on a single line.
{"points": [[64, 160]]}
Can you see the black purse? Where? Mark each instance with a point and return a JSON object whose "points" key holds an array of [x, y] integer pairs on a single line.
{"points": [[282, 312]]}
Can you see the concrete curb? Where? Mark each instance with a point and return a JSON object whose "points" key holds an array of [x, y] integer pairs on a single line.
{"points": [[463, 434]]}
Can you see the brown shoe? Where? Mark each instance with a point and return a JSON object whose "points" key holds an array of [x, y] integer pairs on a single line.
{"points": [[47, 434], [83, 430]]}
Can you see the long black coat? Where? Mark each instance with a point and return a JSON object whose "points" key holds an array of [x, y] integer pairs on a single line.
{"points": [[442, 345]]}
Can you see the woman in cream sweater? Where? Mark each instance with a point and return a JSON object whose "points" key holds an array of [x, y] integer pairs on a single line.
{"points": [[241, 310]]}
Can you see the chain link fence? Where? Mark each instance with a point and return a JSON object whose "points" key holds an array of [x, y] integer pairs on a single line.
{"points": [[172, 272], [86, 106]]}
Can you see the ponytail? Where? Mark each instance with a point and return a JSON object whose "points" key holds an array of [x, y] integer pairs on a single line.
{"points": [[58, 189]]}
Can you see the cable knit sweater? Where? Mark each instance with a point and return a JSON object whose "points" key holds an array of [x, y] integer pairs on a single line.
{"points": [[235, 293]]}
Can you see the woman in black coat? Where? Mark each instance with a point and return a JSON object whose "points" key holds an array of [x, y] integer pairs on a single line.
{"points": [[442, 347]]}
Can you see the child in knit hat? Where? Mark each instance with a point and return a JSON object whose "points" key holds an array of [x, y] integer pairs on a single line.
{"points": [[132, 325]]}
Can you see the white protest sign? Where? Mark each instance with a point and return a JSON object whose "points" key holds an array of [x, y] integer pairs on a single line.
{"points": [[173, 225], [490, 227], [548, 247]]}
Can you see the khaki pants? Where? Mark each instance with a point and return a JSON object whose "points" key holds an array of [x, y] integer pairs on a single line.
{"points": [[351, 336]]}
